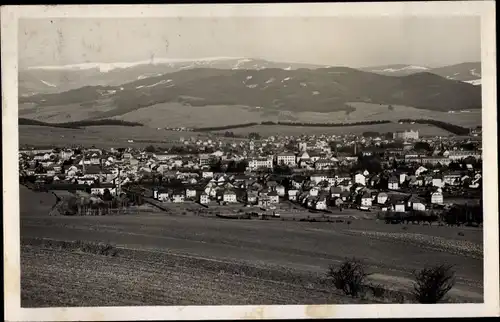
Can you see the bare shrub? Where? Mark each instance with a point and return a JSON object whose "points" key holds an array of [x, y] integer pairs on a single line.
{"points": [[378, 290], [433, 283], [350, 277]]}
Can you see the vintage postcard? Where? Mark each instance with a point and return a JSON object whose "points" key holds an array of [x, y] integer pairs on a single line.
{"points": [[253, 161]]}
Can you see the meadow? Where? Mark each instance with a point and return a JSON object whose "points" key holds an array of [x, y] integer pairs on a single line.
{"points": [[179, 114], [183, 259], [99, 136], [266, 130]]}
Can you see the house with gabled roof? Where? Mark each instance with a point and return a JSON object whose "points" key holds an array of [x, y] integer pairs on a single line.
{"points": [[335, 192], [229, 196], [365, 199], [273, 197], [416, 203], [292, 194], [320, 203], [393, 183], [204, 198]]}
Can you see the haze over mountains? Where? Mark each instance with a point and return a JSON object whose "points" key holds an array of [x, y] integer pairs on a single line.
{"points": [[93, 91], [465, 72], [54, 79]]}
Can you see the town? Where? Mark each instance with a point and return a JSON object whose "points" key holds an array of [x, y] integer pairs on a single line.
{"points": [[394, 175]]}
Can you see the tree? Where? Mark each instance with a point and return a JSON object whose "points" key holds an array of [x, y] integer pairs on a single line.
{"points": [[254, 136], [106, 196], [422, 146], [215, 165], [150, 149], [350, 277], [433, 283], [282, 169]]}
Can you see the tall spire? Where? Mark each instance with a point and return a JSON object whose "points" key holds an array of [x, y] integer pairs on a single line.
{"points": [[83, 162]]}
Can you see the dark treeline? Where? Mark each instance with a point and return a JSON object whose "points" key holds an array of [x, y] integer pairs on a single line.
{"points": [[226, 127], [455, 129], [326, 124], [78, 124], [235, 126]]}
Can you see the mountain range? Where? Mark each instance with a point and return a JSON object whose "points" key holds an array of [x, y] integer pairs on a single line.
{"points": [[97, 91], [465, 72], [54, 79]]}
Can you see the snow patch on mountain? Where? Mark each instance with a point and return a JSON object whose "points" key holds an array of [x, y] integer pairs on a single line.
{"points": [[106, 67], [47, 83], [475, 82], [393, 70], [161, 82], [474, 73]]}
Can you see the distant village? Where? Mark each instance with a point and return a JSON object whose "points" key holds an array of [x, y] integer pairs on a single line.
{"points": [[318, 172]]}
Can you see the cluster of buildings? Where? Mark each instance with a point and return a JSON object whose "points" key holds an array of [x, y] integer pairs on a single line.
{"points": [[323, 172]]}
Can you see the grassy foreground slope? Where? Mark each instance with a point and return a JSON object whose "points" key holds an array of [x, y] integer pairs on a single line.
{"points": [[60, 278], [180, 259]]}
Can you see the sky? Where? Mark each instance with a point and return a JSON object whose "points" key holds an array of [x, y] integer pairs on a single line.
{"points": [[335, 41]]}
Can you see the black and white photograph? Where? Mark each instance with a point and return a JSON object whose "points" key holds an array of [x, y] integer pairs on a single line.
{"points": [[258, 156]]}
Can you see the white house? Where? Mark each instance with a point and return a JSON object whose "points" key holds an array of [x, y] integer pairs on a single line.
{"points": [[280, 189], [382, 198], [190, 193], [292, 194], [437, 197], [229, 196], [204, 199], [366, 200], [393, 183], [360, 178]]}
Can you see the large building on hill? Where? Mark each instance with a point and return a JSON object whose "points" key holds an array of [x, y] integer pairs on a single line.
{"points": [[406, 135]]}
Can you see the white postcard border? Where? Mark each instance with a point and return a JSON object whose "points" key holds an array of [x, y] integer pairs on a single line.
{"points": [[9, 20]]}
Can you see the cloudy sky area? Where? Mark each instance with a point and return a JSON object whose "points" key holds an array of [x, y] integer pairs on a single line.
{"points": [[337, 41]]}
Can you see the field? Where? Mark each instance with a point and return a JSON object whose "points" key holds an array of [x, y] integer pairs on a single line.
{"points": [[183, 259], [266, 130], [178, 115], [100, 136]]}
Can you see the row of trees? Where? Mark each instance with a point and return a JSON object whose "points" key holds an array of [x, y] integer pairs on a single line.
{"points": [[326, 124], [457, 215], [226, 127], [455, 129], [231, 167], [431, 284], [78, 124]]}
